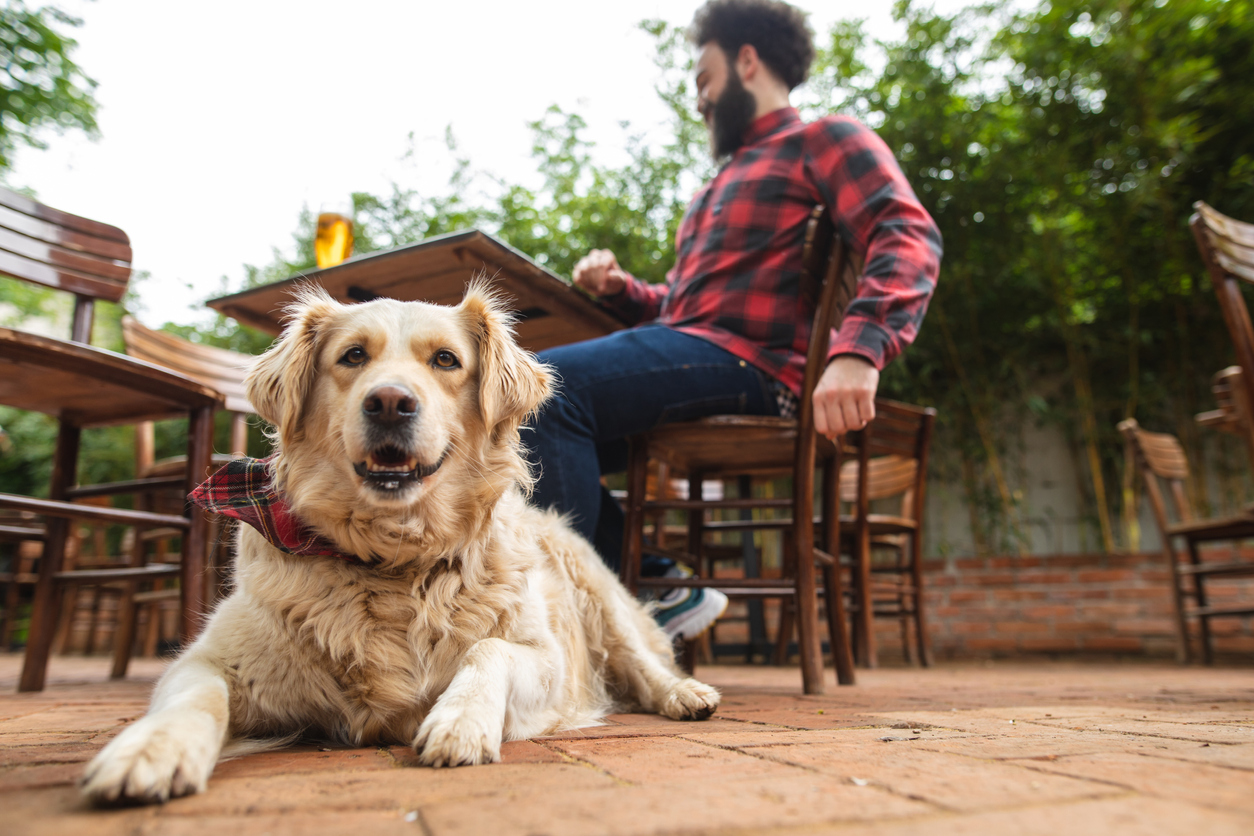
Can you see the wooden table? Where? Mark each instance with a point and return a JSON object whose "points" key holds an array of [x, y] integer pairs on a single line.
{"points": [[550, 311]]}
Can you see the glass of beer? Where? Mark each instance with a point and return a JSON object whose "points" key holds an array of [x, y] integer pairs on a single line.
{"points": [[333, 241]]}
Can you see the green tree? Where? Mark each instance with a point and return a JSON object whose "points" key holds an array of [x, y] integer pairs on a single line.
{"points": [[40, 85]]}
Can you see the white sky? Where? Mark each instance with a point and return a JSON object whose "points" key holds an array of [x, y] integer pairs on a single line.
{"points": [[219, 120]]}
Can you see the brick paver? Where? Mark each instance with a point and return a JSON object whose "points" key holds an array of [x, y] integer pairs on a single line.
{"points": [[1009, 748]]}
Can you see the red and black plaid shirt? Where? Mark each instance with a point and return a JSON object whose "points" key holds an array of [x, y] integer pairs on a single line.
{"points": [[738, 251]]}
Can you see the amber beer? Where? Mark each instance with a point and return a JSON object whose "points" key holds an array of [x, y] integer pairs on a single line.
{"points": [[334, 240]]}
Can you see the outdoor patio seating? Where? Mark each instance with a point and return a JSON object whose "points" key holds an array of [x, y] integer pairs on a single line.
{"points": [[224, 371], [891, 470], [1160, 458], [82, 386], [1227, 249], [726, 447]]}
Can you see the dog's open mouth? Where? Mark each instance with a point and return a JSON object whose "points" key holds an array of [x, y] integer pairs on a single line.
{"points": [[390, 469]]}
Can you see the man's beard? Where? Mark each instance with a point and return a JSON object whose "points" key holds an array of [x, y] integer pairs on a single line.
{"points": [[730, 117]]}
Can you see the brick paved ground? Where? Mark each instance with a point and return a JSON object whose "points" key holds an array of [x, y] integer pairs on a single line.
{"points": [[1005, 748]]}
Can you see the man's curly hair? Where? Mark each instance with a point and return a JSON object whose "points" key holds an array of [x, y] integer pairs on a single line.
{"points": [[779, 32]]}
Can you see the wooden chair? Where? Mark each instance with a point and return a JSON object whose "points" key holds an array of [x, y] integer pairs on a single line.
{"points": [[1227, 249], [1230, 415], [83, 386], [732, 446], [1159, 457], [224, 371], [218, 368], [891, 468], [23, 538]]}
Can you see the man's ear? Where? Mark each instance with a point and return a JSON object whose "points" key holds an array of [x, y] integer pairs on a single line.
{"points": [[279, 381], [747, 63], [512, 383]]}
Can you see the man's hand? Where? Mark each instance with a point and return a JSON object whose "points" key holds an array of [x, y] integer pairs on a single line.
{"points": [[599, 274], [844, 398]]}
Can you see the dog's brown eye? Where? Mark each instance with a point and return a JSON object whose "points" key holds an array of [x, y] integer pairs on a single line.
{"points": [[446, 359], [355, 356]]}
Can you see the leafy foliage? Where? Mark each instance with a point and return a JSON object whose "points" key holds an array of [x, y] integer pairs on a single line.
{"points": [[40, 85]]}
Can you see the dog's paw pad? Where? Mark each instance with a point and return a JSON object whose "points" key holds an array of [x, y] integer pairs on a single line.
{"points": [[460, 742], [148, 763], [690, 700]]}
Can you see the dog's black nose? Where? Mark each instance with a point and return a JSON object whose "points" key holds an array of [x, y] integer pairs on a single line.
{"points": [[390, 405]]}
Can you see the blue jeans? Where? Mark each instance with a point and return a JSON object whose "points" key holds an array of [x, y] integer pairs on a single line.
{"points": [[614, 387]]}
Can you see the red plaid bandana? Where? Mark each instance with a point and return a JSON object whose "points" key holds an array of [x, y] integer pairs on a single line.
{"points": [[244, 490]]}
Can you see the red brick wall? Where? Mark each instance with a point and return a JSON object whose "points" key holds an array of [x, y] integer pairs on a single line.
{"points": [[1065, 604]]}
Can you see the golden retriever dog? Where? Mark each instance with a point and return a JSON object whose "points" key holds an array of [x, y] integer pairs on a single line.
{"points": [[455, 615]]}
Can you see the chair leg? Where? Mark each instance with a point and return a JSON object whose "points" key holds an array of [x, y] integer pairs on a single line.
{"points": [[11, 598], [838, 626], [65, 621], [1199, 597], [1184, 652], [47, 604], [833, 590], [787, 629], [153, 624], [93, 624], [196, 541], [809, 645], [124, 637], [686, 652], [905, 620], [633, 530], [920, 619], [866, 649], [128, 612]]}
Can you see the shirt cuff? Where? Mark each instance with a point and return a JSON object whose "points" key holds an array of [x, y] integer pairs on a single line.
{"points": [[632, 302], [865, 338]]}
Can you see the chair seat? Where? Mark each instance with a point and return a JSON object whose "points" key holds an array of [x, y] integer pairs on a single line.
{"points": [[1227, 528], [1234, 569], [739, 444], [91, 386]]}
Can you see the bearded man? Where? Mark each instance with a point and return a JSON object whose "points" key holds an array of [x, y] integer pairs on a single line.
{"points": [[728, 331]]}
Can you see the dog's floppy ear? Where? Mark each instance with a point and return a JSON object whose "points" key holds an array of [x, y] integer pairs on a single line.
{"points": [[281, 378], [512, 383]]}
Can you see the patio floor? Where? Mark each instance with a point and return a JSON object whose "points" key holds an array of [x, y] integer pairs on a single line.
{"points": [[1001, 748]]}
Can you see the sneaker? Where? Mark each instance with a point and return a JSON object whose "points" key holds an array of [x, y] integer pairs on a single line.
{"points": [[687, 611]]}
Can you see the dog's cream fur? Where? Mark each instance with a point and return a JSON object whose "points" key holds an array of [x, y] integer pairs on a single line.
{"points": [[478, 619]]}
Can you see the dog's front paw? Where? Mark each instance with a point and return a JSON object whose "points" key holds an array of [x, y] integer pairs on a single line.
{"points": [[448, 737], [689, 700], [154, 760]]}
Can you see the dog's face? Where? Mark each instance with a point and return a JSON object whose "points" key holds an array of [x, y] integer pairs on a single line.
{"points": [[380, 404]]}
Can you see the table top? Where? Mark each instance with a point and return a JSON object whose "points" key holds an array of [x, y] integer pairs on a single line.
{"points": [[550, 310], [92, 386]]}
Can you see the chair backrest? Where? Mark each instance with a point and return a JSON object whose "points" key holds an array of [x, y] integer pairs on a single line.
{"points": [[1227, 249], [1159, 456], [830, 277], [1228, 385], [46, 246], [217, 368], [893, 451], [887, 477]]}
